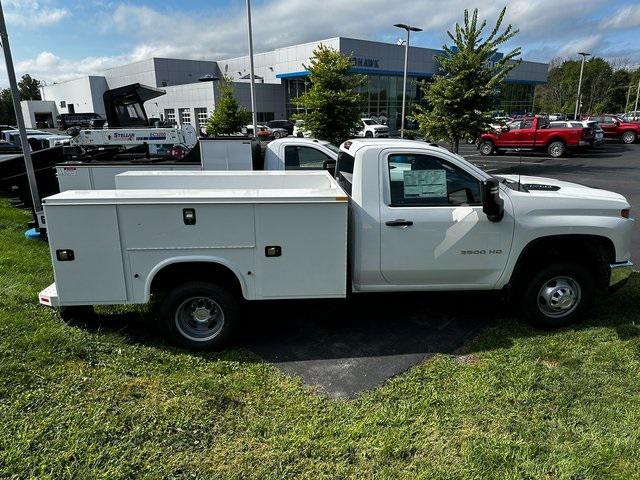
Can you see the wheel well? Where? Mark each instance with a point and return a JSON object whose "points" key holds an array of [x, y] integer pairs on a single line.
{"points": [[556, 139], [178, 273], [594, 252]]}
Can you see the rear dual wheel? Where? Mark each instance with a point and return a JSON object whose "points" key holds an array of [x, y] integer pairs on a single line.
{"points": [[199, 315]]}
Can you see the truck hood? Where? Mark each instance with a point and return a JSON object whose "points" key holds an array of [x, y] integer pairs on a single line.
{"points": [[549, 187]]}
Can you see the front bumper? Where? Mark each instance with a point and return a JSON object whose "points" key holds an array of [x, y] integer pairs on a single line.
{"points": [[620, 274]]}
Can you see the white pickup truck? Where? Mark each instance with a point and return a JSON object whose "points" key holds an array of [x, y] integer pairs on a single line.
{"points": [[399, 216], [215, 154]]}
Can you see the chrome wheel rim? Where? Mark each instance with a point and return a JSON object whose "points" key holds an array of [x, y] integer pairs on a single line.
{"points": [[486, 148], [556, 150], [627, 137], [199, 319], [559, 297]]}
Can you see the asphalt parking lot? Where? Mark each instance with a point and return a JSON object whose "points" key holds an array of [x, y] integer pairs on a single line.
{"points": [[343, 348]]}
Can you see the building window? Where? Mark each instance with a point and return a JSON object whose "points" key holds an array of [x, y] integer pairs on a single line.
{"points": [[185, 116], [201, 117], [63, 104], [170, 115], [264, 117]]}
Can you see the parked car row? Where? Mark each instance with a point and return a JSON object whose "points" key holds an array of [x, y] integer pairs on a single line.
{"points": [[558, 137]]}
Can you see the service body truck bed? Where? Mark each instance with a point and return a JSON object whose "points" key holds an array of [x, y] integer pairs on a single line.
{"points": [[295, 231]]}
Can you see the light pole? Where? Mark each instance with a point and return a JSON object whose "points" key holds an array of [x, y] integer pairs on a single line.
{"points": [[584, 56], [626, 105], [635, 109], [26, 149], [409, 29], [252, 72]]}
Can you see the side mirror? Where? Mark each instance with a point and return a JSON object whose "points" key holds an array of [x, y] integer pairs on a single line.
{"points": [[492, 204], [329, 166]]}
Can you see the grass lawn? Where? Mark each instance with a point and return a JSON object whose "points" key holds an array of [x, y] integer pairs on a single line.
{"points": [[520, 404]]}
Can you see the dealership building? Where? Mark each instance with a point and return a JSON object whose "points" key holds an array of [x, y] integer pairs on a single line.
{"points": [[192, 88]]}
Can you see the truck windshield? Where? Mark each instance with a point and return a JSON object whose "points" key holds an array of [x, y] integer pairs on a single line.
{"points": [[344, 171]]}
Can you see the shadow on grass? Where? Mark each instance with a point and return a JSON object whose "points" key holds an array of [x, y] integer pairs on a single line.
{"points": [[381, 325]]}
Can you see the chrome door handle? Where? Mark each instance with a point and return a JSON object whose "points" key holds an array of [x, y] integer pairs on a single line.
{"points": [[399, 223]]}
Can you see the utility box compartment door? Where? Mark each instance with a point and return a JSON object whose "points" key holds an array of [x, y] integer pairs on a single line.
{"points": [[96, 274], [301, 250]]}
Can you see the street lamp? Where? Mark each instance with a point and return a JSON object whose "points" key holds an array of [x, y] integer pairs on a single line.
{"points": [[409, 29], [584, 56], [635, 109], [252, 72]]}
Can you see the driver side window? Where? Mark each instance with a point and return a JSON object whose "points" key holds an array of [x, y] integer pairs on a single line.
{"points": [[299, 157], [425, 180]]}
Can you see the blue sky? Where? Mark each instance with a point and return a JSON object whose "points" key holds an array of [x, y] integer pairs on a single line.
{"points": [[60, 39]]}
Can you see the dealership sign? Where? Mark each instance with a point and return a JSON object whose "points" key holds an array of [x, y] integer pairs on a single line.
{"points": [[366, 62]]}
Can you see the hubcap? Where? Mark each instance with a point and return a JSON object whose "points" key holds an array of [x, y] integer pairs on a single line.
{"points": [[486, 149], [559, 297], [627, 137], [199, 319], [556, 150]]}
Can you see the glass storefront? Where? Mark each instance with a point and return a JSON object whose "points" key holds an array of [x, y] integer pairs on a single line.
{"points": [[382, 97], [517, 98]]}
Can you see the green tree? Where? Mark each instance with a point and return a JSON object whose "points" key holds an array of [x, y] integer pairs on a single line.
{"points": [[7, 113], [332, 103], [467, 86], [228, 117], [604, 87], [29, 88]]}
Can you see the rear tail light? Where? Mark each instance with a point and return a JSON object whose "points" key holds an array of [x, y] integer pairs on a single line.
{"points": [[626, 213]]}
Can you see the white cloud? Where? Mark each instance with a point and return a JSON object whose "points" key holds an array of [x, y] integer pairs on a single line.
{"points": [[625, 17], [32, 13]]}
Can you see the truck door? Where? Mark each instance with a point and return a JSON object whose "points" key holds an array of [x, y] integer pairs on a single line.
{"points": [[433, 231]]}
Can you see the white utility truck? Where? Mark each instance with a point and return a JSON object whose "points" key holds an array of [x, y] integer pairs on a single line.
{"points": [[215, 154], [399, 216]]}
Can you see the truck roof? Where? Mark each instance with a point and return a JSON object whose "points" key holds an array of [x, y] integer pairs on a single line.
{"points": [[352, 146]]}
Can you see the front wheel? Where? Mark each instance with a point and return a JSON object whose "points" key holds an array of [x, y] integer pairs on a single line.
{"points": [[628, 137], [486, 147], [557, 149], [276, 135], [368, 134], [199, 315], [557, 295]]}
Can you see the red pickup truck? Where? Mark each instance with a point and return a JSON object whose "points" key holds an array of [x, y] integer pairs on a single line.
{"points": [[535, 133], [615, 127]]}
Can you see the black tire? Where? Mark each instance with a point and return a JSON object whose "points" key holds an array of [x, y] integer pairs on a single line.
{"points": [[276, 135], [208, 332], [629, 137], [486, 148], [368, 135], [78, 316], [557, 149], [557, 295]]}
